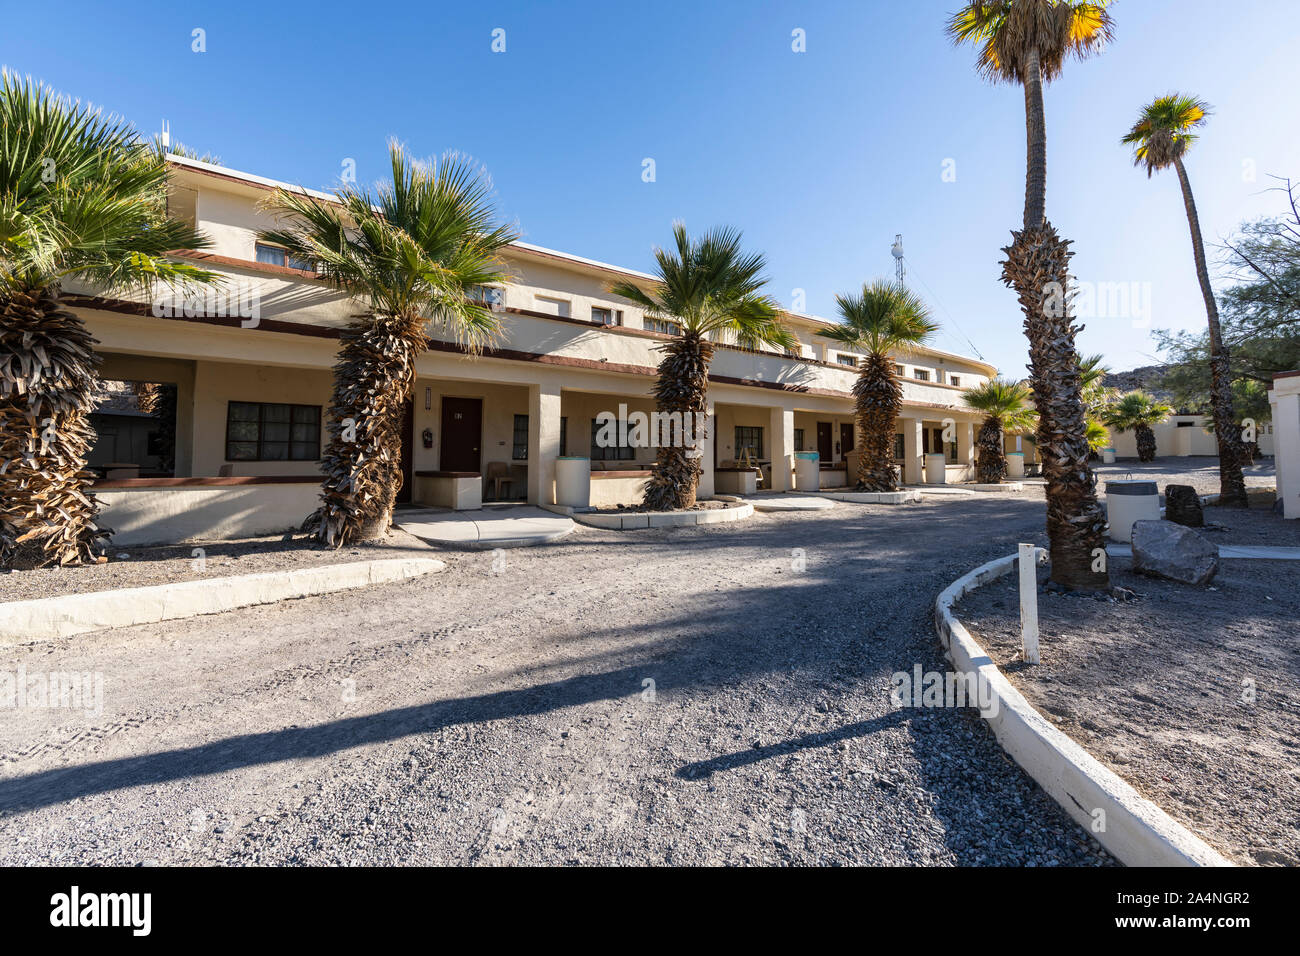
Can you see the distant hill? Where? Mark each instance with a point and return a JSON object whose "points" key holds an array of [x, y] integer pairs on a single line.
{"points": [[1147, 378]]}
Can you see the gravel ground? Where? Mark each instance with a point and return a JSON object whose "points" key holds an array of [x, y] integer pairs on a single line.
{"points": [[1199, 472], [1154, 688], [141, 567], [709, 695]]}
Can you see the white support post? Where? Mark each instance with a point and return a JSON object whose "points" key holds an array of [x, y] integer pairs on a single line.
{"points": [[912, 451], [543, 442], [706, 487], [1029, 603], [782, 449]]}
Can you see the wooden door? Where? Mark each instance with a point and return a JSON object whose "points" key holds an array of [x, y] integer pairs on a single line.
{"points": [[462, 434], [825, 451]]}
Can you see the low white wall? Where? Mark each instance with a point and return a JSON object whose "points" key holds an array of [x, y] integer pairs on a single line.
{"points": [[174, 515], [609, 492]]}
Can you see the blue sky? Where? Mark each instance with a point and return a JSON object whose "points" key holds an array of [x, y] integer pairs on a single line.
{"points": [[820, 157]]}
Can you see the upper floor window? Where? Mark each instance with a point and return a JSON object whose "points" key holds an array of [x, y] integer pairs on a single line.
{"points": [[560, 307], [849, 360], [900, 371], [275, 256], [662, 326], [494, 297], [921, 375], [954, 380], [606, 316]]}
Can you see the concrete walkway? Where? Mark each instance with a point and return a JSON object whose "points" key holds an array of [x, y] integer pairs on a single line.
{"points": [[1258, 552], [510, 526], [778, 502]]}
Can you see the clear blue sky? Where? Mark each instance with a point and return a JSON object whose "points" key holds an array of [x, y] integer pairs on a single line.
{"points": [[821, 157]]}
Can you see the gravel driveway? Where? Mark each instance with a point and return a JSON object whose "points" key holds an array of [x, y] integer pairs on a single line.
{"points": [[712, 695]]}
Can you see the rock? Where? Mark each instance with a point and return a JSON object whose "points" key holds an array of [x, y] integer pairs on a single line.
{"points": [[1171, 551], [1183, 506]]}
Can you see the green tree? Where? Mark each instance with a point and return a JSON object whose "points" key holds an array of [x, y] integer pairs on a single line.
{"points": [[82, 197], [712, 290], [412, 253], [1160, 139], [1006, 406], [883, 321], [1027, 42], [1137, 412]]}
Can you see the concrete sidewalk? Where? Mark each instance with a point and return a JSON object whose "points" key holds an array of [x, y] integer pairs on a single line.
{"points": [[508, 526]]}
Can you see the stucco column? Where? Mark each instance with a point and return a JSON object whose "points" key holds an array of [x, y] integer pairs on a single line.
{"points": [[543, 442], [1285, 398], [966, 448], [706, 487], [912, 453], [782, 453]]}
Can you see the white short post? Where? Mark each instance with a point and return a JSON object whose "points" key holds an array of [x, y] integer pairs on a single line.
{"points": [[1029, 603]]}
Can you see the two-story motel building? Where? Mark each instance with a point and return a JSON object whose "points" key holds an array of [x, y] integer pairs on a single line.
{"points": [[252, 393]]}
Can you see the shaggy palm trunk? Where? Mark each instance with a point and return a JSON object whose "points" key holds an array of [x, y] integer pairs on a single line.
{"points": [[363, 460], [1037, 259], [878, 399], [48, 388], [1227, 433], [1146, 442], [991, 464], [682, 387]]}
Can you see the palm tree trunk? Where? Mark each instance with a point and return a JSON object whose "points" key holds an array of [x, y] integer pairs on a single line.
{"points": [[682, 386], [991, 466], [1146, 442], [1036, 135], [48, 387], [878, 399], [1036, 260], [1232, 484], [373, 379]]}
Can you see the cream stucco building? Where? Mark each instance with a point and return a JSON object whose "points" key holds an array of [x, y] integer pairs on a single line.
{"points": [[252, 373]]}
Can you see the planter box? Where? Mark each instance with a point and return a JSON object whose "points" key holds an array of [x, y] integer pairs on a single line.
{"points": [[457, 490]]}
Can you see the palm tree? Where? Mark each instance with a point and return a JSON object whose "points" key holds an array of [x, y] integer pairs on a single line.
{"points": [[82, 197], [1137, 412], [1160, 139], [1028, 42], [710, 289], [1006, 407], [883, 320], [412, 255]]}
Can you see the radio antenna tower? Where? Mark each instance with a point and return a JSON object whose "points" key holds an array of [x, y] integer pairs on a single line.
{"points": [[900, 271]]}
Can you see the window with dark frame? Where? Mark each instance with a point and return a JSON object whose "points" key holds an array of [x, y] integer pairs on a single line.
{"points": [[564, 437], [849, 360], [276, 256], [662, 326], [611, 453], [900, 447], [606, 316], [751, 437], [798, 439], [921, 375], [261, 431], [520, 450]]}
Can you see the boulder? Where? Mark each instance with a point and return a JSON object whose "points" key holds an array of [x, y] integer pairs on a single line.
{"points": [[1183, 506], [1168, 550]]}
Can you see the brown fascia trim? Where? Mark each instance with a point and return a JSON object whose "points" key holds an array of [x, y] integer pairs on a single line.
{"points": [[1286, 375], [234, 480], [564, 361]]}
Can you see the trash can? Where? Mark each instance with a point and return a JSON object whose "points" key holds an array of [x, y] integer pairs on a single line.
{"points": [[1128, 501], [573, 482], [807, 471], [1015, 464], [936, 468], [1108, 456]]}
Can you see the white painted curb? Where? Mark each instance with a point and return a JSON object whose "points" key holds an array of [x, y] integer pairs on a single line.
{"points": [[49, 618], [663, 519], [1137, 832]]}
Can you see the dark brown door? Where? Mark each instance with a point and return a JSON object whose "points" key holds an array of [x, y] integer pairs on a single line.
{"points": [[846, 440], [462, 431], [824, 450], [408, 454]]}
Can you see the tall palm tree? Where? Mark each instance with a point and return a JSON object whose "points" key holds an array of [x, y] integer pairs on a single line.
{"points": [[1137, 412], [1028, 42], [1161, 138], [411, 254], [711, 289], [82, 197], [883, 320], [1006, 406]]}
